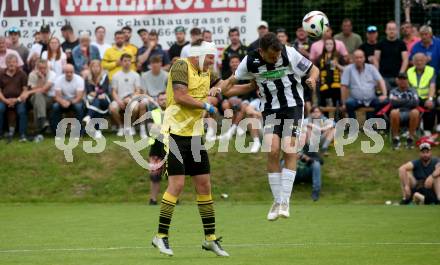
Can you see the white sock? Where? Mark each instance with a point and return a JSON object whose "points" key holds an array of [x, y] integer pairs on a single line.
{"points": [[275, 185], [287, 179], [233, 129], [256, 139]]}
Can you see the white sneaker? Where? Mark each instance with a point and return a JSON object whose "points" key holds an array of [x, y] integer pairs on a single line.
{"points": [[98, 134], [214, 246], [273, 212], [143, 132], [284, 210], [240, 131], [256, 146], [163, 245], [120, 132]]}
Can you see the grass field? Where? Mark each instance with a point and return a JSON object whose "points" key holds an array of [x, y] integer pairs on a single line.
{"points": [[74, 234]]}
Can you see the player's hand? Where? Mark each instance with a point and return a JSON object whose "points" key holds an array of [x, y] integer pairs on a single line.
{"points": [[311, 83], [213, 92], [209, 108]]}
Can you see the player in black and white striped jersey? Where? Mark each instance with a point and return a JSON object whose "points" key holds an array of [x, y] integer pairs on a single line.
{"points": [[277, 71]]}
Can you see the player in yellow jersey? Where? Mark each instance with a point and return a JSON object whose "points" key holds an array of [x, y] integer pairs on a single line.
{"points": [[188, 87]]}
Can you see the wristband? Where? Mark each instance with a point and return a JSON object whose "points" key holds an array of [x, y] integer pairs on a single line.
{"points": [[209, 108]]}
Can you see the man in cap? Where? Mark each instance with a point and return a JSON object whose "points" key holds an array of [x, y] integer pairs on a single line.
{"points": [[177, 47], [371, 44], [39, 47], [262, 29], [14, 36]]}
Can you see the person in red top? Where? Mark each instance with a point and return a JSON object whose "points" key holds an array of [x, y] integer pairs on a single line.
{"points": [[408, 36]]}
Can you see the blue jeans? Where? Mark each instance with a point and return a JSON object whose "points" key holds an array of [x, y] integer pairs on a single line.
{"points": [[58, 110], [311, 171], [20, 109], [353, 104]]}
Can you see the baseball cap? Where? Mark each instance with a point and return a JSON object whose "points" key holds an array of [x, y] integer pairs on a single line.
{"points": [[263, 24], [281, 30], [402, 75], [371, 29], [14, 30], [424, 146], [179, 29], [142, 30], [45, 29]]}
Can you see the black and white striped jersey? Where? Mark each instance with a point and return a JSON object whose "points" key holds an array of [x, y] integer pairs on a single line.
{"points": [[279, 84]]}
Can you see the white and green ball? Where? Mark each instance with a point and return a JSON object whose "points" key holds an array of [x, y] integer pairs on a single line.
{"points": [[315, 23]]}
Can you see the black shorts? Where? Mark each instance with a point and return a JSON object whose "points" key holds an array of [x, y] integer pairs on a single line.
{"points": [[193, 165], [284, 123]]}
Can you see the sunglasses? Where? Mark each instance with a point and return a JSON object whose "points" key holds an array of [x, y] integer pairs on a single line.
{"points": [[14, 30]]}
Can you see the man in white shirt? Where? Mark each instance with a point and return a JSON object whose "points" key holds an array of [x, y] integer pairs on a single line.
{"points": [[100, 37]]}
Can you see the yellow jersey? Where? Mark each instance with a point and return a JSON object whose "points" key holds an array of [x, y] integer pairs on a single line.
{"points": [[112, 56]]}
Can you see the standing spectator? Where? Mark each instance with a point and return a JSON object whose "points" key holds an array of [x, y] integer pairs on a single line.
{"points": [[84, 53], [97, 89], [4, 52], [112, 57], [302, 42], [176, 48], [330, 66], [358, 84], [404, 102], [422, 77], [55, 56], [318, 46], [408, 36], [370, 45], [39, 46], [14, 35], [351, 40], [41, 82], [100, 40], [419, 174], [429, 46], [13, 95], [70, 42], [196, 34], [283, 37], [263, 29], [131, 47], [150, 48], [207, 35], [235, 48], [391, 55], [69, 92], [125, 84], [154, 81]]}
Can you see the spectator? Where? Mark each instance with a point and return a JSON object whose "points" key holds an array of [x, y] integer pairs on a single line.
{"points": [[69, 92], [125, 84], [351, 40], [419, 174], [391, 55], [358, 84], [404, 102], [4, 52], [70, 42], [207, 35], [100, 41], [14, 35], [151, 48], [331, 67], [37, 37], [408, 36], [318, 46], [263, 29], [302, 42], [127, 33], [55, 56], [13, 95], [196, 34], [157, 150], [154, 81], [39, 46], [97, 87], [370, 45], [235, 48], [422, 77], [84, 53], [283, 37], [41, 93], [176, 48], [112, 57], [429, 46], [322, 127]]}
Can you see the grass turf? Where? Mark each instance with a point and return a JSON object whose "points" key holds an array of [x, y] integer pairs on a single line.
{"points": [[110, 234]]}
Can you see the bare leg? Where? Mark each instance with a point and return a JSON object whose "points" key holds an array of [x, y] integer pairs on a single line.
{"points": [[395, 122]]}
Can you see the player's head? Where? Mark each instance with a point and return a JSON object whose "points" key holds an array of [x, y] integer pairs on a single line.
{"points": [[234, 62], [202, 54], [425, 152], [270, 48], [162, 100], [126, 61]]}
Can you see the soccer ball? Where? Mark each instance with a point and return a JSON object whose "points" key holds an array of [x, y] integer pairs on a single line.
{"points": [[315, 23]]}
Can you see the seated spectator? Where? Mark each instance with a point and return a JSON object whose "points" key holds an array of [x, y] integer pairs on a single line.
{"points": [[421, 77], [41, 82], [70, 42], [404, 102], [330, 66], [408, 36], [112, 57], [429, 46], [302, 42], [83, 54], [127, 36], [196, 34], [282, 36], [55, 56], [351, 40], [358, 86], [176, 48], [370, 45], [151, 48], [100, 41], [154, 81], [125, 84], [13, 87], [69, 92], [14, 35], [318, 46], [323, 127], [4, 52], [420, 174], [157, 150], [97, 89]]}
